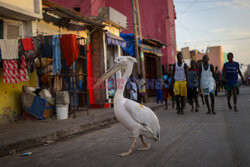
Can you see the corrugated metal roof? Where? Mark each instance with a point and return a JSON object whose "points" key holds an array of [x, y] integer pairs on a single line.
{"points": [[64, 12], [153, 42]]}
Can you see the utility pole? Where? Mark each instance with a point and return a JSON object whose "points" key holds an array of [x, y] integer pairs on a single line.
{"points": [[138, 18], [135, 34], [141, 54]]}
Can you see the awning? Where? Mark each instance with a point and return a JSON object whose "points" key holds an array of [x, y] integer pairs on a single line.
{"points": [[154, 43], [130, 47], [152, 50], [115, 40]]}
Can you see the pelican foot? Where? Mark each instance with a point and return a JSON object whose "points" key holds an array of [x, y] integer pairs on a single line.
{"points": [[145, 148], [124, 154]]}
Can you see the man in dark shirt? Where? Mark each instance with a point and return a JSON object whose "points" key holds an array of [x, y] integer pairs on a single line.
{"points": [[231, 70]]}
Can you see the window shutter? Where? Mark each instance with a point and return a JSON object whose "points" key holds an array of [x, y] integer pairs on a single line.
{"points": [[12, 31]]}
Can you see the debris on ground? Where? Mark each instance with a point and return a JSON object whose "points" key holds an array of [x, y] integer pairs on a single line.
{"points": [[26, 154]]}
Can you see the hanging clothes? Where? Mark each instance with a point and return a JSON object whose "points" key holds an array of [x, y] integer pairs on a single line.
{"points": [[30, 55], [27, 44], [70, 48], [47, 50], [9, 48], [56, 54], [13, 74], [37, 44]]}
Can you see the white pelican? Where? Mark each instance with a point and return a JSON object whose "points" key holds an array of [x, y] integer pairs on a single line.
{"points": [[139, 119]]}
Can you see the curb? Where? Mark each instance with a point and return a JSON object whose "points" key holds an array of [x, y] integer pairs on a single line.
{"points": [[60, 134]]}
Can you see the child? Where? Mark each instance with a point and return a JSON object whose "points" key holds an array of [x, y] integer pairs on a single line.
{"points": [[166, 88], [159, 91], [193, 85], [207, 82], [142, 89], [133, 89]]}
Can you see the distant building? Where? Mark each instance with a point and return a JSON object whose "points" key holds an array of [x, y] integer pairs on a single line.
{"points": [[215, 54]]}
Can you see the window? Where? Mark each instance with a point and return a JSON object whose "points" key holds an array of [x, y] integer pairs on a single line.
{"points": [[13, 29], [12, 32]]}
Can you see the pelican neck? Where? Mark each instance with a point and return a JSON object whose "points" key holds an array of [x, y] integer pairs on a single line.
{"points": [[123, 81]]}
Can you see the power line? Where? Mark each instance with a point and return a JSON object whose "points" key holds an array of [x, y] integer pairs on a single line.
{"points": [[190, 33], [223, 40], [89, 7], [186, 9], [219, 7], [191, 29]]}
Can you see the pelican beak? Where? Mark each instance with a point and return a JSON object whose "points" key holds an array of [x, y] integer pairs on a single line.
{"points": [[116, 67]]}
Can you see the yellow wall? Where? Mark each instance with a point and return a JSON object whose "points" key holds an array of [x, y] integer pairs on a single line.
{"points": [[112, 29], [10, 95], [44, 28]]}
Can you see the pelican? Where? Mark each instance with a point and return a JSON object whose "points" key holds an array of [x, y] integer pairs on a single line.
{"points": [[137, 118]]}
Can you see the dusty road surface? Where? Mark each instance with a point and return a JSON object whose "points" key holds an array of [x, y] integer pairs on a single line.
{"points": [[189, 140]]}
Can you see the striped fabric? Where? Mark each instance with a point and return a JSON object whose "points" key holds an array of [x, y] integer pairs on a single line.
{"points": [[11, 72]]}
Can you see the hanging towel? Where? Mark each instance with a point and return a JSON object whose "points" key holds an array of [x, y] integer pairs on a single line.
{"points": [[11, 72], [27, 44], [47, 50], [9, 48], [56, 54], [70, 48]]}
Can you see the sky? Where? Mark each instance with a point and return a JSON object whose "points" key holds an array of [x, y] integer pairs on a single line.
{"points": [[203, 23]]}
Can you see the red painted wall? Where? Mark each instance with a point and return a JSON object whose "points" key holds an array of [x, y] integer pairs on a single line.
{"points": [[157, 19]]}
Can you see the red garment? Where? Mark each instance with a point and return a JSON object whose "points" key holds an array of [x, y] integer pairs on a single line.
{"points": [[70, 48], [27, 44], [12, 74], [195, 69]]}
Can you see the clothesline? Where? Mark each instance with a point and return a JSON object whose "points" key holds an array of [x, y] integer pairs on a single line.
{"points": [[39, 46]]}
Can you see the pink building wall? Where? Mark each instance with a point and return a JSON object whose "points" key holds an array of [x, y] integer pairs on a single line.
{"points": [[157, 19], [216, 56]]}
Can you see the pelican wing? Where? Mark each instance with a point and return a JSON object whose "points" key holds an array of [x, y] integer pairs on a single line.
{"points": [[144, 116]]}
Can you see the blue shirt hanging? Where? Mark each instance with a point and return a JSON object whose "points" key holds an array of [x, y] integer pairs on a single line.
{"points": [[56, 47]]}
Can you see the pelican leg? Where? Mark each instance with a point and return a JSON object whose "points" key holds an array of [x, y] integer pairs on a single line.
{"points": [[130, 149], [145, 146]]}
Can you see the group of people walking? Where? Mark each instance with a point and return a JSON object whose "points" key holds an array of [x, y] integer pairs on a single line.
{"points": [[180, 82], [202, 79]]}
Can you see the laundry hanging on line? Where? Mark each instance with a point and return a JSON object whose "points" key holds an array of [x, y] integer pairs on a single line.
{"points": [[12, 73], [69, 48], [56, 47], [36, 47], [9, 48], [27, 44], [24, 48]]}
